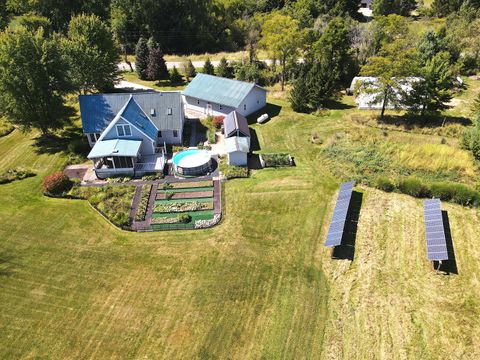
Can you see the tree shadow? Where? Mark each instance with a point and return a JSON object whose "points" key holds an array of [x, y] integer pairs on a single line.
{"points": [[447, 266], [68, 140], [254, 143], [129, 90], [409, 122], [271, 109], [337, 105], [346, 251], [201, 132]]}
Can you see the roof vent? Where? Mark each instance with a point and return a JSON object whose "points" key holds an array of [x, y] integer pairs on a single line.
{"points": [[152, 112], [169, 111]]}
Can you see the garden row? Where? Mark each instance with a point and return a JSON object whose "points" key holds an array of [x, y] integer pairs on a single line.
{"points": [[182, 205]]}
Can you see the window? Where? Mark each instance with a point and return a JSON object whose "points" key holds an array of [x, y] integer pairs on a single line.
{"points": [[198, 102], [169, 111], [159, 134], [124, 130], [122, 162], [92, 138], [220, 107], [175, 133], [244, 106]]}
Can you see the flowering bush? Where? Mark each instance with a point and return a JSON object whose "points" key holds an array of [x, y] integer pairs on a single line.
{"points": [[218, 121], [56, 183]]}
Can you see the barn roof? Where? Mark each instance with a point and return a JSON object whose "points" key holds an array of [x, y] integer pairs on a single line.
{"points": [[235, 121], [98, 110], [219, 90]]}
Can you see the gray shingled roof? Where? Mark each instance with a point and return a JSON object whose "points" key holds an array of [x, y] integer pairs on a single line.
{"points": [[234, 122], [98, 110]]}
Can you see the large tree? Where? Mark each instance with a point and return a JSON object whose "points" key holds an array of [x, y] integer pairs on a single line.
{"points": [[224, 69], [391, 68], [92, 53], [432, 92], [283, 39], [387, 7], [189, 70], [33, 80], [157, 67], [141, 58]]}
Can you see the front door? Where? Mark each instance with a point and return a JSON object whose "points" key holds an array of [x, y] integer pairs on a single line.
{"points": [[209, 109]]}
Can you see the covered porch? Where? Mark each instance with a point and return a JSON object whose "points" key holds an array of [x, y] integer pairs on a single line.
{"points": [[115, 157]]}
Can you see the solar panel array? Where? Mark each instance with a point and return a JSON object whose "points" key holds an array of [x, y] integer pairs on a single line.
{"points": [[434, 231], [339, 218]]}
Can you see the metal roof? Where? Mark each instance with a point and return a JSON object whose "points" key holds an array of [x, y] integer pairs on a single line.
{"points": [[115, 147], [234, 122], [98, 110], [236, 143], [218, 90], [137, 117]]}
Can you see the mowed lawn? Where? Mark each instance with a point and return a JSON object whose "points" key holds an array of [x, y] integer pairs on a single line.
{"points": [[258, 286]]}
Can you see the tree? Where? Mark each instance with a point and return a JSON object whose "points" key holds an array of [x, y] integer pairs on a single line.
{"points": [[208, 67], [432, 92], [120, 28], [391, 67], [157, 67], [283, 39], [141, 58], [189, 70], [443, 8], [224, 69], [33, 80], [387, 7], [93, 54], [299, 94], [175, 77]]}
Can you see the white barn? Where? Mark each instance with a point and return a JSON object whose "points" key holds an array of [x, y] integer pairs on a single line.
{"points": [[213, 95]]}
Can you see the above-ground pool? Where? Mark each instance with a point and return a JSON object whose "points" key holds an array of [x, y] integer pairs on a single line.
{"points": [[192, 162]]}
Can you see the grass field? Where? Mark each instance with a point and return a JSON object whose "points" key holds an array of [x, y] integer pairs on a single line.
{"points": [[258, 286]]}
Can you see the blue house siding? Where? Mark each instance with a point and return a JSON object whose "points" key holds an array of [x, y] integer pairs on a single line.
{"points": [[147, 147]]}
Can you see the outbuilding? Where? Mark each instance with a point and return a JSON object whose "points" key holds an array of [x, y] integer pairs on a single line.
{"points": [[235, 124], [237, 149], [214, 95]]}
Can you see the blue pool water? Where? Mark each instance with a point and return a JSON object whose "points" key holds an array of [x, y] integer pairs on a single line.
{"points": [[196, 156]]}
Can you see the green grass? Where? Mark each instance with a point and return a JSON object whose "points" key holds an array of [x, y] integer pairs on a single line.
{"points": [[258, 285], [165, 201]]}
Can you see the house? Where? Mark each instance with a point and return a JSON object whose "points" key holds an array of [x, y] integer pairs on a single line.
{"points": [[363, 87], [237, 149], [235, 124], [213, 95], [128, 132]]}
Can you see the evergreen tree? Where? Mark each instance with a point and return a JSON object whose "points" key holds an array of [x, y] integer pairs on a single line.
{"points": [[141, 58], [189, 70], [224, 69], [299, 94], [322, 83], [432, 92], [175, 77], [33, 80], [208, 67], [156, 67]]}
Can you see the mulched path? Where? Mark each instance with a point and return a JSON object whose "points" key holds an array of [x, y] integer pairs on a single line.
{"points": [[186, 195], [217, 197]]}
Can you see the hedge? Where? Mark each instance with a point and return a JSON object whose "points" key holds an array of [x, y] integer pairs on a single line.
{"points": [[14, 174]]}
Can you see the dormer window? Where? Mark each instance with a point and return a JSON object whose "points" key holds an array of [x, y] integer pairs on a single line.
{"points": [[124, 130], [169, 111]]}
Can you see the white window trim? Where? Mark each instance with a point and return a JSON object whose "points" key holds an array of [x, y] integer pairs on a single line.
{"points": [[124, 126]]}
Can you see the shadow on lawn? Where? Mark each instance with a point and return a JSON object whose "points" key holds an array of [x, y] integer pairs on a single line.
{"points": [[5, 265], [271, 109], [338, 105], [346, 251], [69, 140], [449, 266], [409, 122]]}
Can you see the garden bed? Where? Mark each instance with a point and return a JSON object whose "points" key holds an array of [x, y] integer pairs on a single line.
{"points": [[187, 185], [277, 160], [184, 195], [176, 207], [143, 204]]}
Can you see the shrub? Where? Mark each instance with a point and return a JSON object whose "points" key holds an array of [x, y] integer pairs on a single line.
{"points": [[57, 183], [184, 218], [14, 174], [414, 187], [211, 136], [277, 160], [218, 121], [385, 184], [442, 191]]}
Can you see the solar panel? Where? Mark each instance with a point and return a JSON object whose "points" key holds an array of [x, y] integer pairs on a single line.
{"points": [[434, 230], [339, 218]]}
